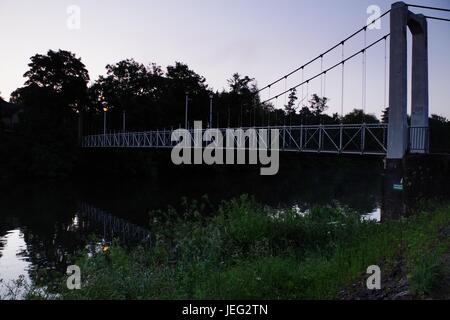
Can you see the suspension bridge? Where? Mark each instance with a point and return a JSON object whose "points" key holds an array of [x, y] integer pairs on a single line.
{"points": [[392, 140]]}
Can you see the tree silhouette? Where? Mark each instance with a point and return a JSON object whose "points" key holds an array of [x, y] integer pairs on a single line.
{"points": [[128, 87], [55, 89], [358, 116], [241, 98], [318, 105], [239, 84], [385, 115], [185, 80], [290, 107], [60, 73]]}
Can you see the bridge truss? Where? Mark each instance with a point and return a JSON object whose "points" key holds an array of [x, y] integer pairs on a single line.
{"points": [[368, 139]]}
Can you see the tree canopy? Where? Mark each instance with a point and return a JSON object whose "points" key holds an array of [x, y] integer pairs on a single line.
{"points": [[58, 73]]}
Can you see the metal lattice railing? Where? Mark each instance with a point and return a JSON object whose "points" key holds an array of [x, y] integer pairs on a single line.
{"points": [[418, 139], [335, 139]]}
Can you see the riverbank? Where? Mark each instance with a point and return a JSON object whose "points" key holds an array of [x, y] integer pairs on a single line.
{"points": [[247, 251]]}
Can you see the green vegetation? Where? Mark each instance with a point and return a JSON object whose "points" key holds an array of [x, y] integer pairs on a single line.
{"points": [[247, 251]]}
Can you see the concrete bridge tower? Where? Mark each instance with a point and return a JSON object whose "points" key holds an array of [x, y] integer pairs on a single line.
{"points": [[401, 138]]}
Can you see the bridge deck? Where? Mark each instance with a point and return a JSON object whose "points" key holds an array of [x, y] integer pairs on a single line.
{"points": [[368, 139]]}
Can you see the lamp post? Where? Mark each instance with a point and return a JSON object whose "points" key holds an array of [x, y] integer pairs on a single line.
{"points": [[210, 109], [186, 111], [79, 125], [124, 114], [105, 110]]}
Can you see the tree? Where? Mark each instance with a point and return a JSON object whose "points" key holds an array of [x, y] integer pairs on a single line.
{"points": [[439, 119], [439, 127], [185, 80], [180, 79], [240, 85], [290, 107], [60, 73], [129, 87], [305, 115], [358, 116], [318, 105], [56, 87], [336, 118], [385, 115], [241, 99]]}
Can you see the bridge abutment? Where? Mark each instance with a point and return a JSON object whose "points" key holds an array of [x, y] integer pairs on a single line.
{"points": [[393, 199]]}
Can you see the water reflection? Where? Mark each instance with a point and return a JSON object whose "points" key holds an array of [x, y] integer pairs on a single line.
{"points": [[99, 221], [375, 215], [13, 260]]}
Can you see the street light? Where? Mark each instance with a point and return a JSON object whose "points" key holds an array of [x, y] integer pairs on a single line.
{"points": [[210, 109], [105, 110], [186, 111], [79, 125], [124, 115]]}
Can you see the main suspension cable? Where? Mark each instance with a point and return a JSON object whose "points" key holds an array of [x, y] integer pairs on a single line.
{"points": [[427, 7], [437, 18], [332, 67], [324, 53]]}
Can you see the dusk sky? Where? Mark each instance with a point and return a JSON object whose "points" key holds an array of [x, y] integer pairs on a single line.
{"points": [[264, 39]]}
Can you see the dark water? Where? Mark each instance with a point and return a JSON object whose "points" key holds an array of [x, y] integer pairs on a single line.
{"points": [[41, 224]]}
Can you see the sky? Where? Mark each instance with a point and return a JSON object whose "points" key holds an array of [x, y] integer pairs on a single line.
{"points": [[264, 39]]}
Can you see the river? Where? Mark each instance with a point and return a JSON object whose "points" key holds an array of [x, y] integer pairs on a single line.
{"points": [[43, 223]]}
